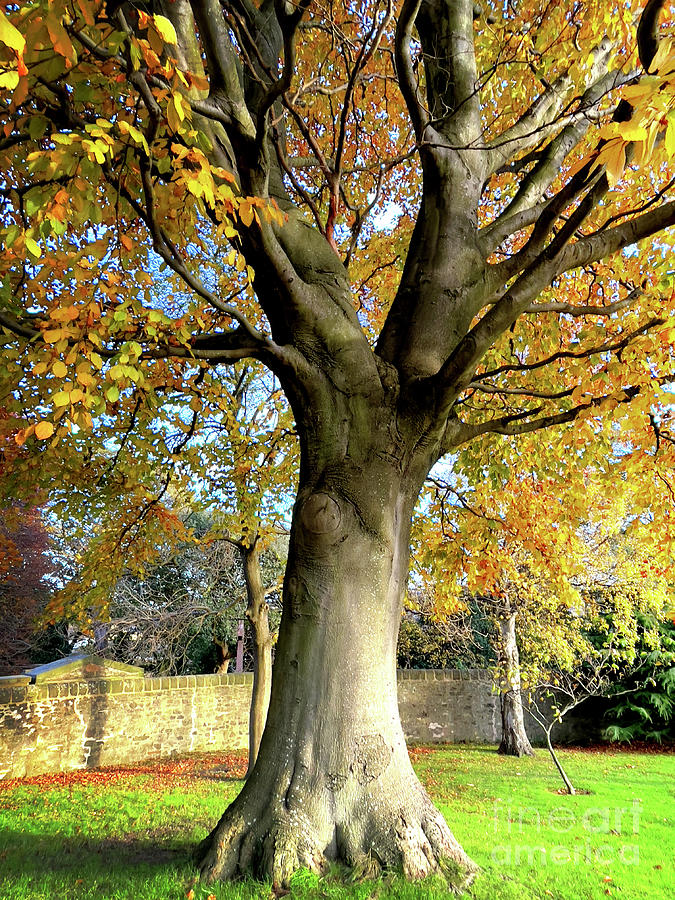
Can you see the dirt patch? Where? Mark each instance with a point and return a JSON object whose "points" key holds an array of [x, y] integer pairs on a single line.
{"points": [[565, 793]]}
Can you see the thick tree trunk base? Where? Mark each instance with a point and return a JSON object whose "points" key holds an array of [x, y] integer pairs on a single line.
{"points": [[333, 781], [515, 743], [382, 827]]}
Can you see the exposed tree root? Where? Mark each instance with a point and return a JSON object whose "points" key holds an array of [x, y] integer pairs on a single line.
{"points": [[278, 840]]}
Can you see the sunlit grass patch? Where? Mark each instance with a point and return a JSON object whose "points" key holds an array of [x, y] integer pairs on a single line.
{"points": [[123, 834]]}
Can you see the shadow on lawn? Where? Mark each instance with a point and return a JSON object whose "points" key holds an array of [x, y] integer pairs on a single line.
{"points": [[40, 853]]}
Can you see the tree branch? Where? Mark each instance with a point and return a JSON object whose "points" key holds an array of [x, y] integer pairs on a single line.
{"points": [[586, 309], [515, 425], [603, 243], [405, 69]]}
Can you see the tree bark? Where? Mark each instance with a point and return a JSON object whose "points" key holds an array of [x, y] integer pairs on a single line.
{"points": [[224, 656], [333, 780], [515, 741], [257, 613], [554, 756]]}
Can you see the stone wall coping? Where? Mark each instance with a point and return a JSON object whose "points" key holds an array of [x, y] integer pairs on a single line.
{"points": [[73, 666], [19, 689], [22, 688], [7, 681], [444, 675]]}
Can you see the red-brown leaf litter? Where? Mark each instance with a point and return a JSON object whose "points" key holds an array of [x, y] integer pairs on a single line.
{"points": [[214, 766]]}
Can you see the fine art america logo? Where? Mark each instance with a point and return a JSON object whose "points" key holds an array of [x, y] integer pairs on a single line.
{"points": [[594, 841]]}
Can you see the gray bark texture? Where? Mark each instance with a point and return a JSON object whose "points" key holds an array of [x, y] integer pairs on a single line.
{"points": [[515, 741], [333, 779]]}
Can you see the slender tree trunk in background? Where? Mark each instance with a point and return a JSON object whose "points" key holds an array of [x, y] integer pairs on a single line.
{"points": [[515, 741], [224, 654], [563, 774], [257, 612]]}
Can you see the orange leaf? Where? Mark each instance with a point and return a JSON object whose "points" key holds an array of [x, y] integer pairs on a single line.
{"points": [[44, 430]]}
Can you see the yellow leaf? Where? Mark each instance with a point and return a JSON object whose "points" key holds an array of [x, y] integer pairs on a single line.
{"points": [[61, 398], [44, 430], [165, 29], [613, 157], [670, 135], [11, 36], [9, 80], [59, 369], [663, 58], [173, 117], [54, 335], [246, 212], [64, 314], [60, 39], [33, 248]]}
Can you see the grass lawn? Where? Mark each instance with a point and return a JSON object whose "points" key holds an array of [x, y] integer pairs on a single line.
{"points": [[127, 833]]}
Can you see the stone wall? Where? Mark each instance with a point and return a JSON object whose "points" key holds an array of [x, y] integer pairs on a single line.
{"points": [[453, 706], [123, 718], [448, 706], [115, 721]]}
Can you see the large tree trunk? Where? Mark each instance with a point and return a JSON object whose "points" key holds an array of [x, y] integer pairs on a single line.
{"points": [[515, 741], [333, 780]]}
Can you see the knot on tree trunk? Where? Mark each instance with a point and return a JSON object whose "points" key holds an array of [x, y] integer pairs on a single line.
{"points": [[321, 513]]}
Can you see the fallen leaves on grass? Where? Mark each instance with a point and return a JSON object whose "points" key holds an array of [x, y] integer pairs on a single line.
{"points": [[212, 766], [417, 753], [629, 747]]}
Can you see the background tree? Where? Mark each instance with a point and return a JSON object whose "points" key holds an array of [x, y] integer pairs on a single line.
{"points": [[26, 571], [646, 712], [460, 640], [225, 506], [544, 559], [174, 619], [523, 151]]}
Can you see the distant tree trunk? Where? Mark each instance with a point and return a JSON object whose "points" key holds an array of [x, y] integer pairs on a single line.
{"points": [[257, 612], [563, 774], [225, 654], [515, 741], [101, 637]]}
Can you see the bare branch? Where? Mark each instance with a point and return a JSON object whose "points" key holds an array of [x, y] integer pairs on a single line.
{"points": [[520, 423], [611, 346], [603, 243], [586, 309], [405, 68]]}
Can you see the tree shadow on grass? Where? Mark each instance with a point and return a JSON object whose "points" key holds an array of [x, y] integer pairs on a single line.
{"points": [[28, 853]]}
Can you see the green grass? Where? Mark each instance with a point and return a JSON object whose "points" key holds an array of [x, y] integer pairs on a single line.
{"points": [[118, 836]]}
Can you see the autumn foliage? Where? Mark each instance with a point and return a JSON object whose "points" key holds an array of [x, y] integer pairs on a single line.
{"points": [[443, 228]]}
